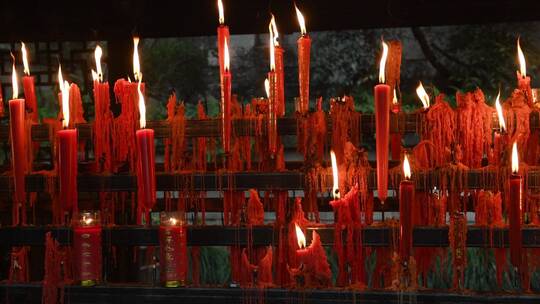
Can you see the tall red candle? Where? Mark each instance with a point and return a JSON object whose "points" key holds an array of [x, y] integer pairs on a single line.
{"points": [[87, 249], [514, 211], [29, 88], [67, 154], [304, 49], [272, 101], [173, 252], [146, 179], [226, 102], [382, 94], [406, 199], [278, 68], [222, 36], [17, 128]]}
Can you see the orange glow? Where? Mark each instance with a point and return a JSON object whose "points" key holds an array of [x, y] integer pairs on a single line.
{"points": [[422, 94], [136, 62], [173, 221], [25, 59], [97, 56], [301, 21], [521, 57], [14, 82], [87, 220], [502, 124], [226, 56], [382, 64], [300, 237], [142, 107], [221, 14], [406, 168], [335, 176], [515, 159], [395, 100], [273, 29], [267, 87]]}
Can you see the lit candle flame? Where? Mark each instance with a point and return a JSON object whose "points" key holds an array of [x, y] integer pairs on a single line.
{"points": [[97, 55], [521, 57], [382, 64], [301, 21], [14, 80], [273, 29], [267, 87], [335, 176], [87, 220], [300, 237], [142, 107], [221, 14], [272, 53], [515, 159], [25, 59], [136, 62], [64, 89], [424, 97], [406, 168], [394, 99], [173, 221], [226, 56], [502, 124]]}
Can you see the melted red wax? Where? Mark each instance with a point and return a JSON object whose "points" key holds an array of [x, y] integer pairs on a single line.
{"points": [[18, 265], [458, 241], [311, 130], [57, 271], [517, 114]]}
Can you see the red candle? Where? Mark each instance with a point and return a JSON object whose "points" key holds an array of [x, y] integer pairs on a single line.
{"points": [[226, 103], [173, 252], [313, 257], [382, 93], [17, 128], [28, 86], [146, 180], [514, 211], [103, 118], [272, 90], [222, 36], [524, 81], [87, 249], [278, 68], [406, 200], [67, 154], [304, 49]]}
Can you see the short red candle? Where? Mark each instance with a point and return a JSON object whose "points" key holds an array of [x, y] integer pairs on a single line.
{"points": [[382, 93], [515, 219], [406, 199], [173, 254], [304, 49], [67, 168], [226, 111], [146, 180], [17, 128], [87, 252]]}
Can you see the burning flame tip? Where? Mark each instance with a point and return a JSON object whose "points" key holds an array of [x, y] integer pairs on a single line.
{"points": [[25, 59], [142, 107], [14, 82], [221, 12], [335, 175], [522, 63], [406, 167], [498, 107], [300, 237], [423, 95], [97, 56], [301, 20], [394, 99], [267, 87], [515, 159], [136, 63], [382, 64]]}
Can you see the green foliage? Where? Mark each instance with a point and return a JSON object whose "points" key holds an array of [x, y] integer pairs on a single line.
{"points": [[215, 266]]}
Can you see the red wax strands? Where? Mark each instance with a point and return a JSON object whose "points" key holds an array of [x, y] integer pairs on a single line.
{"points": [[313, 257], [67, 153], [406, 201], [278, 68], [514, 211], [382, 94], [103, 118], [304, 49], [146, 180], [222, 36], [17, 128], [226, 102], [28, 86], [87, 249]]}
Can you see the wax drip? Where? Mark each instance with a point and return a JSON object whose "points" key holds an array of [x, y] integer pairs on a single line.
{"points": [[458, 241], [19, 271], [439, 128], [57, 271]]}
